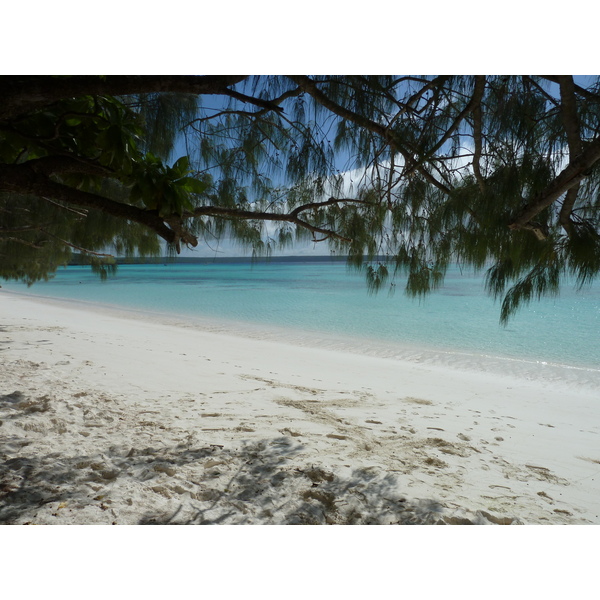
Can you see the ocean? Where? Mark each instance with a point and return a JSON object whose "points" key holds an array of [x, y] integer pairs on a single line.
{"points": [[325, 303]]}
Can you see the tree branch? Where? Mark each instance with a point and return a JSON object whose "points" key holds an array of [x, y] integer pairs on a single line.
{"points": [[22, 179], [22, 94], [540, 89], [477, 135], [310, 87], [83, 250], [24, 242], [265, 104], [269, 106], [581, 91], [49, 165], [569, 177], [316, 205], [568, 109], [234, 213], [564, 218], [291, 217], [4, 230], [471, 105]]}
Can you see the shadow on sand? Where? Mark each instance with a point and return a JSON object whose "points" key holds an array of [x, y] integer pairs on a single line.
{"points": [[259, 482]]}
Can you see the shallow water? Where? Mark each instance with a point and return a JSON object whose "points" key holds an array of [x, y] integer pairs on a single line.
{"points": [[330, 303]]}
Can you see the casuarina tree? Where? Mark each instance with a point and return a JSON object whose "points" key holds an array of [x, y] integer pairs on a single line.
{"points": [[403, 175]]}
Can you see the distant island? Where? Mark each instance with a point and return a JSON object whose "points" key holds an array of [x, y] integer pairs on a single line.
{"points": [[81, 260]]}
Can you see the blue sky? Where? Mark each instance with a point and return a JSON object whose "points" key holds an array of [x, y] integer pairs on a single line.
{"points": [[227, 248]]}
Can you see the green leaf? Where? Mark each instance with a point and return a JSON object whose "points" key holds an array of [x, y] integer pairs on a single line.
{"points": [[182, 166], [195, 186]]}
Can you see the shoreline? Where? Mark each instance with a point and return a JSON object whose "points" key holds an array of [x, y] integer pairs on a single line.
{"points": [[454, 358], [128, 420], [557, 332]]}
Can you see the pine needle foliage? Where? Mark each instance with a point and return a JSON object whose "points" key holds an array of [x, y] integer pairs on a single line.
{"points": [[405, 175]]}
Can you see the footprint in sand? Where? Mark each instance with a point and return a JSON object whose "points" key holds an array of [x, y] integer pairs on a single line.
{"points": [[420, 401], [592, 460], [545, 497]]}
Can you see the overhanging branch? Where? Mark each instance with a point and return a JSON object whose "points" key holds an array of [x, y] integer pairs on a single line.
{"points": [[569, 177], [291, 217], [22, 179], [22, 94], [580, 90], [311, 88]]}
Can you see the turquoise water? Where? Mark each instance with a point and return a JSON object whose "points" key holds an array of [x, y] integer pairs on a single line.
{"points": [[326, 298]]}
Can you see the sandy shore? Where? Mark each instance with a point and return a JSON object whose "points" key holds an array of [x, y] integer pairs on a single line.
{"points": [[107, 419]]}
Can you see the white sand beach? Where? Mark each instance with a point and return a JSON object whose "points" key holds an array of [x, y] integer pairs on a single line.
{"points": [[107, 418]]}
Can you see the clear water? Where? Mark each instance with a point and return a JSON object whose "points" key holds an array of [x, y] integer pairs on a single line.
{"points": [[327, 300]]}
